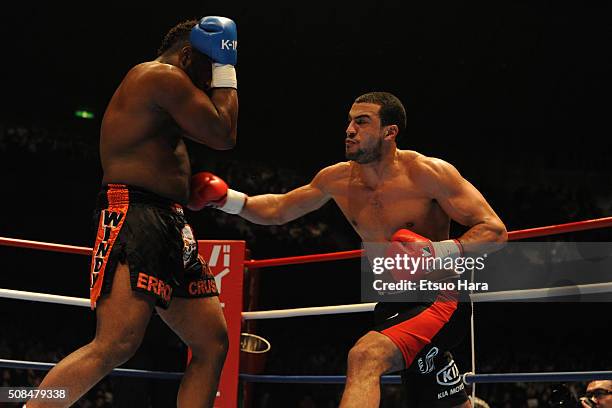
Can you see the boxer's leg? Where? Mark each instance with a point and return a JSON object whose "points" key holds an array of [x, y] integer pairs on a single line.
{"points": [[122, 318], [199, 322], [372, 356]]}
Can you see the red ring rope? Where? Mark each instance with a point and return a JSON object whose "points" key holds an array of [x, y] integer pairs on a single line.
{"points": [[512, 236], [332, 256]]}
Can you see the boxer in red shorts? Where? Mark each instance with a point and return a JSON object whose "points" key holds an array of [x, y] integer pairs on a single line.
{"points": [[388, 194]]}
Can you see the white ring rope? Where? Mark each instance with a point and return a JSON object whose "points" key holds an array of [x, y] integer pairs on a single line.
{"points": [[309, 311], [473, 335], [542, 293], [43, 297], [588, 289], [267, 314]]}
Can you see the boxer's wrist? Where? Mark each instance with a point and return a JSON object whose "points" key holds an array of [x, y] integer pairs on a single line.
{"points": [[224, 76], [450, 248], [234, 203]]}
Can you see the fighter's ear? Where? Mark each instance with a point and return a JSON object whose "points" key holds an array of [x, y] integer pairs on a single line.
{"points": [[185, 55], [391, 132]]}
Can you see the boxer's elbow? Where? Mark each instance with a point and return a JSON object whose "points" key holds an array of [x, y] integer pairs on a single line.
{"points": [[227, 144], [221, 145], [230, 139], [498, 231], [222, 138]]}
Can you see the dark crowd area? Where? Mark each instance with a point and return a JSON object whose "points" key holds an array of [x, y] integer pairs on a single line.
{"points": [[514, 94]]}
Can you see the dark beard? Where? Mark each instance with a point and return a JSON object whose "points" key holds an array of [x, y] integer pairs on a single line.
{"points": [[363, 156]]}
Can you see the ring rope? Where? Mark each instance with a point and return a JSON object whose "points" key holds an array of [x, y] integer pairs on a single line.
{"points": [[44, 298], [588, 289], [562, 376], [308, 311], [468, 378], [512, 235], [118, 372], [311, 379], [45, 246], [541, 293], [472, 335]]}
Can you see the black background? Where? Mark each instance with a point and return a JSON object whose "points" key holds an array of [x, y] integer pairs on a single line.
{"points": [[480, 81]]}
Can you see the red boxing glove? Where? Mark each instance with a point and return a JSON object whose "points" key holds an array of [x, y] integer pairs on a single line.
{"points": [[415, 254], [210, 190]]}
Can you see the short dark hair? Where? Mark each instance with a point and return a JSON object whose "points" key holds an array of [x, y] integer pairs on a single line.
{"points": [[392, 111], [178, 35]]}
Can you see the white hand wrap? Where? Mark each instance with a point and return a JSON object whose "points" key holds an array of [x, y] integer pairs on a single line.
{"points": [[450, 248], [234, 203], [224, 76]]}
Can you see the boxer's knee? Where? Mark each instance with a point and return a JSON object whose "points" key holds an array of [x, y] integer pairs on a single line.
{"points": [[126, 348], [374, 354], [213, 347], [366, 360], [118, 350]]}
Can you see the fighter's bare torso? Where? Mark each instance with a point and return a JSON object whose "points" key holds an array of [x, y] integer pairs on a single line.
{"points": [[140, 144], [396, 201]]}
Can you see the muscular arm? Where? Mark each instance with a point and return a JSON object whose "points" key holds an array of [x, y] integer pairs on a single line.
{"points": [[463, 203], [207, 120], [277, 209]]}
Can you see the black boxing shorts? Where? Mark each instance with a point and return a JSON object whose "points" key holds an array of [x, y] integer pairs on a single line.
{"points": [[150, 234], [424, 332]]}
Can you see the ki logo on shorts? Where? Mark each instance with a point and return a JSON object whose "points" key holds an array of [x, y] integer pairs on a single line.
{"points": [[189, 244], [428, 366], [449, 374]]}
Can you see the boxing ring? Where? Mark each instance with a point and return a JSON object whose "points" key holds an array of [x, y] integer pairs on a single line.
{"points": [[469, 378]]}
